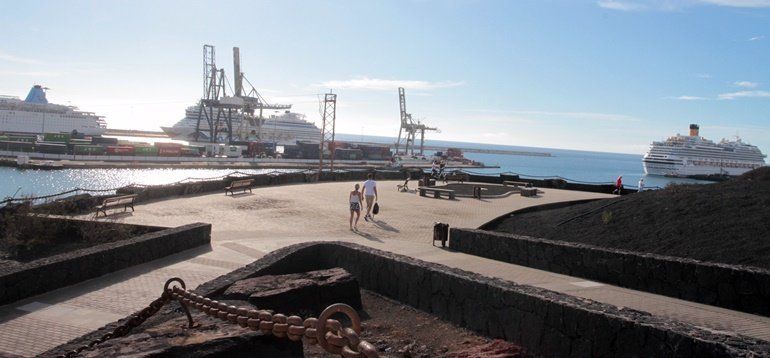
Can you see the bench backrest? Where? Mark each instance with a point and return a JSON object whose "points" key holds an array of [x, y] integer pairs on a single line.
{"points": [[437, 189], [243, 182], [126, 199]]}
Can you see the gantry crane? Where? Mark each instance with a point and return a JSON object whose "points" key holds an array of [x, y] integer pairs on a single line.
{"points": [[217, 108], [408, 130]]}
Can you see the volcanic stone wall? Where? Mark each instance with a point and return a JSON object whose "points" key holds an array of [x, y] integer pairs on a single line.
{"points": [[544, 322], [46, 274], [553, 183], [736, 287], [163, 191]]}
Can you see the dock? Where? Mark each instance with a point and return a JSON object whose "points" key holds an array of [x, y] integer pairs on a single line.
{"points": [[159, 134]]}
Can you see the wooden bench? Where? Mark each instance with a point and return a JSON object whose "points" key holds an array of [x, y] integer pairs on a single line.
{"points": [[528, 191], [436, 192], [239, 185], [460, 177], [516, 184], [126, 201]]}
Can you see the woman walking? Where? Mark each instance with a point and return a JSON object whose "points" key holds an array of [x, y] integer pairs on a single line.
{"points": [[355, 206]]}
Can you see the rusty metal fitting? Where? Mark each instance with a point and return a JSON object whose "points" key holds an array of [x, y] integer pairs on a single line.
{"points": [[351, 336], [368, 349], [242, 321], [347, 352], [280, 327], [331, 342], [266, 327], [253, 323]]}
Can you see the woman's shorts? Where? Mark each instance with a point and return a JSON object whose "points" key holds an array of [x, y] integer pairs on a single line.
{"points": [[355, 206]]}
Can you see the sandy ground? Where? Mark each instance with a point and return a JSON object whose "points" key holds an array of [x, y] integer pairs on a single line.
{"points": [[320, 211]]}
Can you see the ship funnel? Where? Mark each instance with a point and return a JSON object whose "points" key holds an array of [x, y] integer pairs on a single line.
{"points": [[36, 95], [237, 71], [694, 130]]}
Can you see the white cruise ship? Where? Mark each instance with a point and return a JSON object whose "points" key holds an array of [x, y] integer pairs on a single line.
{"points": [[694, 155], [284, 129], [35, 115]]}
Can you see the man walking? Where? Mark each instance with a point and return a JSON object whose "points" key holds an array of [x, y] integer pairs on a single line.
{"points": [[370, 193]]}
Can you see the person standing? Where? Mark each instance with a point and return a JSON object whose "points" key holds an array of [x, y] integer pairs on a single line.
{"points": [[641, 185], [355, 198], [618, 185], [370, 193]]}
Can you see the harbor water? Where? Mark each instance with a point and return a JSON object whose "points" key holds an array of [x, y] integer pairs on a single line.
{"points": [[576, 166]]}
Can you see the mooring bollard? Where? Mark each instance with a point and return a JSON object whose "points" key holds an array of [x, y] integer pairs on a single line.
{"points": [[440, 233], [477, 192]]}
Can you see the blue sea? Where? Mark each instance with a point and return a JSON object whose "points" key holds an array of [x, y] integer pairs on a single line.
{"points": [[576, 166]]}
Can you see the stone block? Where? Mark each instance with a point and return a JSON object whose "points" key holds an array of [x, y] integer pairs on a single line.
{"points": [[308, 292]]}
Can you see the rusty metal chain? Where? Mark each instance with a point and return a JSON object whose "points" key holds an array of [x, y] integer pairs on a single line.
{"points": [[325, 332]]}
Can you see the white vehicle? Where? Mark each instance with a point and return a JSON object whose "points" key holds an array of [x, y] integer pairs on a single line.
{"points": [[35, 115], [694, 155]]}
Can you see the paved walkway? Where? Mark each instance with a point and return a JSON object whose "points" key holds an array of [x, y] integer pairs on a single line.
{"points": [[248, 226]]}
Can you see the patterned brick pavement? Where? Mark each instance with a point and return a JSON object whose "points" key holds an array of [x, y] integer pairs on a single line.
{"points": [[246, 227]]}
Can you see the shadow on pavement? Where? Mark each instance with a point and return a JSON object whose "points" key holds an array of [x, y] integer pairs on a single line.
{"points": [[384, 225], [367, 236]]}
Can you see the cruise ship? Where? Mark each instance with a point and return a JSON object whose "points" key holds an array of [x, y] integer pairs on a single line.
{"points": [[693, 155], [283, 129], [34, 115]]}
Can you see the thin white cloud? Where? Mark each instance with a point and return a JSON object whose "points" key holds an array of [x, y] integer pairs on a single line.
{"points": [[690, 98], [591, 116], [675, 5], [739, 3], [16, 59], [32, 73], [744, 94], [702, 75], [746, 84], [376, 84], [620, 5], [756, 38]]}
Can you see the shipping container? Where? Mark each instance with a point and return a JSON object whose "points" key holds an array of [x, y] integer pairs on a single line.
{"points": [[164, 151], [57, 137], [51, 148], [16, 146], [120, 150], [348, 154], [80, 142], [89, 150], [290, 151], [146, 151], [167, 145], [18, 138], [104, 140]]}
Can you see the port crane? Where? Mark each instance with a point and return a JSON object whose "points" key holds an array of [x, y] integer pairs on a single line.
{"points": [[216, 108], [409, 128]]}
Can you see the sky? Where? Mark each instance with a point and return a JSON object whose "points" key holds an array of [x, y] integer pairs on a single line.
{"points": [[606, 75]]}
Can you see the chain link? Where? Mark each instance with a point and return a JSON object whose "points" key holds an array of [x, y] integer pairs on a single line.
{"points": [[325, 332]]}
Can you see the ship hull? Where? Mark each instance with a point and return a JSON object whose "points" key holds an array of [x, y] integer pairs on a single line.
{"points": [[687, 170], [39, 123]]}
